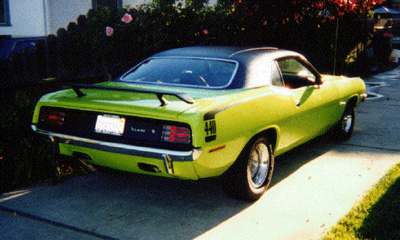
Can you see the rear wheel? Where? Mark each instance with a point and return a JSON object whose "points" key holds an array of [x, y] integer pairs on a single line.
{"points": [[250, 175]]}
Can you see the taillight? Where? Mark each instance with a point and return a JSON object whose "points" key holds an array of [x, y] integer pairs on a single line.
{"points": [[53, 117], [175, 134]]}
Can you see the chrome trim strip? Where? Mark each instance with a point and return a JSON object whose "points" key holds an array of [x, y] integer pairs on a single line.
{"points": [[123, 148]]}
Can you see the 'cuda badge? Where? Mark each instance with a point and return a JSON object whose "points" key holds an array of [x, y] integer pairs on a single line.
{"points": [[138, 130]]}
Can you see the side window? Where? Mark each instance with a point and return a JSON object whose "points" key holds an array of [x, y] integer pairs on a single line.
{"points": [[276, 76], [4, 13], [295, 74]]}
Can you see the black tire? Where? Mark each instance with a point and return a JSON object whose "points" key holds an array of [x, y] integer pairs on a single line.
{"points": [[249, 177], [344, 128]]}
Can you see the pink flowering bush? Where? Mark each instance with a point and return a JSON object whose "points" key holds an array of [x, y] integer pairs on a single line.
{"points": [[109, 31], [127, 18], [129, 35]]}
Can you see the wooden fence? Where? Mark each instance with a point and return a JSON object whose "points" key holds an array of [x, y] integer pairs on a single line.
{"points": [[52, 58], [58, 57]]}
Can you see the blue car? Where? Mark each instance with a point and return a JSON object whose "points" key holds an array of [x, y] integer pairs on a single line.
{"points": [[11, 46]]}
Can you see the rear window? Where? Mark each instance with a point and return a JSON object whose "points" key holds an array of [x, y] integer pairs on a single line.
{"points": [[192, 72]]}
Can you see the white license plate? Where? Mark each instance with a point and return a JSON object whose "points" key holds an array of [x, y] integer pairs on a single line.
{"points": [[110, 124]]}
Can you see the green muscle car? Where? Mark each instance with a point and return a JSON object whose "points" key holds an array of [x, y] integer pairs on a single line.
{"points": [[201, 112]]}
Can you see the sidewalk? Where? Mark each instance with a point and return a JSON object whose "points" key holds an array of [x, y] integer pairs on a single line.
{"points": [[312, 188]]}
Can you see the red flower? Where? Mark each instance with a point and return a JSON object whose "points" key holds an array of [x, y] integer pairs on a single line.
{"points": [[127, 18], [109, 31]]}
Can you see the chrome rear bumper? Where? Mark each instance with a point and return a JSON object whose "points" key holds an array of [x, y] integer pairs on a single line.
{"points": [[148, 152]]}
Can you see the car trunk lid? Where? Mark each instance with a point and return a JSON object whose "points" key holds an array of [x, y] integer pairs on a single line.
{"points": [[122, 99]]}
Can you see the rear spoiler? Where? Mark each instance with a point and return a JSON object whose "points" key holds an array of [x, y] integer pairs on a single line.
{"points": [[77, 89]]}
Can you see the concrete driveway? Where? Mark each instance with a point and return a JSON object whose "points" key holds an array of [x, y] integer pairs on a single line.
{"points": [[313, 186]]}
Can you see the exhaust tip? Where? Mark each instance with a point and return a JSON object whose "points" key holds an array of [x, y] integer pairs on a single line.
{"points": [[149, 168]]}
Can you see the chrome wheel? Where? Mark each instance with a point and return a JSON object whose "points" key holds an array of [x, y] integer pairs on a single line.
{"points": [[344, 128], [249, 177], [258, 164], [347, 122]]}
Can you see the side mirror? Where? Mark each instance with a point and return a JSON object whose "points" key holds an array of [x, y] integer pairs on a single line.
{"points": [[318, 81], [314, 81]]}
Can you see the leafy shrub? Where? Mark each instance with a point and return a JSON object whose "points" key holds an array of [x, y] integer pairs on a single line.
{"points": [[23, 158], [117, 45]]}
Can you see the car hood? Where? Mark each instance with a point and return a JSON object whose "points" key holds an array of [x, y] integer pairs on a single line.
{"points": [[333, 78], [142, 104]]}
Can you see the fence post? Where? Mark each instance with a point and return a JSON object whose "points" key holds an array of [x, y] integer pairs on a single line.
{"points": [[41, 60], [29, 66], [52, 56]]}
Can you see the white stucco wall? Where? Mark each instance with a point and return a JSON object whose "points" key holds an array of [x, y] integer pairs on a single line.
{"points": [[26, 17], [62, 12], [42, 17], [134, 3]]}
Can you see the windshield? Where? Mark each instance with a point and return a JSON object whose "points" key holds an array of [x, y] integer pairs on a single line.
{"points": [[207, 73]]}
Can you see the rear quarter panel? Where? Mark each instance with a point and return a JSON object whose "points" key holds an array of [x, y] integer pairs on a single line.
{"points": [[236, 122]]}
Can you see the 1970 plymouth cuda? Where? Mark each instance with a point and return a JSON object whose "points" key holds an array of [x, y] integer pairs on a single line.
{"points": [[201, 112]]}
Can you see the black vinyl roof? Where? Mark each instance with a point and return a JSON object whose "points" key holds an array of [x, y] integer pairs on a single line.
{"points": [[249, 59], [222, 52]]}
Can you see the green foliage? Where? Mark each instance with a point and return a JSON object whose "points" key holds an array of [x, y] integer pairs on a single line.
{"points": [[376, 215], [24, 156], [164, 25]]}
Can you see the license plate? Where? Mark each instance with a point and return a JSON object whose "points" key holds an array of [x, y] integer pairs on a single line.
{"points": [[110, 124]]}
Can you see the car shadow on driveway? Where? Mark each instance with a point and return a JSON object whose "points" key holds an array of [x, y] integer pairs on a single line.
{"points": [[125, 206], [290, 162]]}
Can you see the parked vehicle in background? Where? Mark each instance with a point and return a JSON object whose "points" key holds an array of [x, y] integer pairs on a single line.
{"points": [[395, 49], [201, 112], [11, 46]]}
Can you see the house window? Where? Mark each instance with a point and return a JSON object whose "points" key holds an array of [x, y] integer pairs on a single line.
{"points": [[4, 13], [113, 4]]}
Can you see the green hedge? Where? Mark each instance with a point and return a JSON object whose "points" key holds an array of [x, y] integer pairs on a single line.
{"points": [[24, 156], [154, 28]]}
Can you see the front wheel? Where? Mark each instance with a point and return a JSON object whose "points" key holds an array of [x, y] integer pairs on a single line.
{"points": [[344, 128], [250, 175]]}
